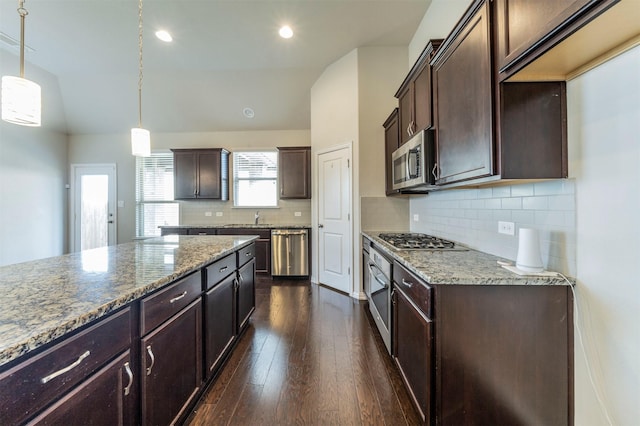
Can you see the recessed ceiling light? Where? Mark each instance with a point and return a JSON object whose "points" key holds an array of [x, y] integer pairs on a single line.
{"points": [[248, 112], [164, 36], [286, 32]]}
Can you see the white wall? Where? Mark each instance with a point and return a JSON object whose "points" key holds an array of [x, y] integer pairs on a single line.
{"points": [[604, 159], [33, 174], [117, 149]]}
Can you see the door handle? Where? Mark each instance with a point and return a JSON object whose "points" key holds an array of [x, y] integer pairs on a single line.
{"points": [[109, 221], [321, 226]]}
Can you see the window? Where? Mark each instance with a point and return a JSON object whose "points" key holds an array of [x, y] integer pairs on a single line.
{"points": [[154, 194], [255, 179]]}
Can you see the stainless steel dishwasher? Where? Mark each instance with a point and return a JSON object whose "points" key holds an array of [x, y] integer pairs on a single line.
{"points": [[290, 252]]}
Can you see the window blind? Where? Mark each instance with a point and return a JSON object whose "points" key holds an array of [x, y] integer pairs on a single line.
{"points": [[155, 205]]}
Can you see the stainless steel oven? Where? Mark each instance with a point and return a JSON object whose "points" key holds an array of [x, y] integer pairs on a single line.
{"points": [[378, 289]]}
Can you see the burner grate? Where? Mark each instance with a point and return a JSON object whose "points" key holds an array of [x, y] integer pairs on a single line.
{"points": [[414, 241]]}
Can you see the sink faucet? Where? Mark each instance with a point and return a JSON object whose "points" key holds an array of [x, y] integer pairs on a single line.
{"points": [[257, 216]]}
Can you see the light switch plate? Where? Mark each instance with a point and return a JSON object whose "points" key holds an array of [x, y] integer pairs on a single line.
{"points": [[218, 214], [297, 214], [120, 203], [208, 214], [416, 218], [507, 228]]}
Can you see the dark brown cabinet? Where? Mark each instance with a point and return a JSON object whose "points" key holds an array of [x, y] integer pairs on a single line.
{"points": [[220, 322], [463, 101], [391, 143], [246, 293], [414, 96], [488, 131], [294, 172], [171, 366], [484, 354], [262, 245], [201, 174], [524, 30], [104, 399], [412, 351]]}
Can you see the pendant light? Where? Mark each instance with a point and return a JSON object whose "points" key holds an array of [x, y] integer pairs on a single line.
{"points": [[21, 99], [140, 138]]}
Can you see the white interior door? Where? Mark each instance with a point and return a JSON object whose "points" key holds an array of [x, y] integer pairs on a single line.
{"points": [[334, 219], [94, 205]]}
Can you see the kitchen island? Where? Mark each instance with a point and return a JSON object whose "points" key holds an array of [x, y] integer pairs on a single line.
{"points": [[107, 305]]}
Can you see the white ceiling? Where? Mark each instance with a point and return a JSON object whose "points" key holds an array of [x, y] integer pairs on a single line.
{"points": [[226, 55]]}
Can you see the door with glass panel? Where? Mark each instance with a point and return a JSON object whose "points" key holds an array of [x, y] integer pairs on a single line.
{"points": [[94, 205]]}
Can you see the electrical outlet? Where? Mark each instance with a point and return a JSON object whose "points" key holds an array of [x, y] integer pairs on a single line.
{"points": [[208, 214], [508, 228], [218, 214], [416, 218], [297, 214]]}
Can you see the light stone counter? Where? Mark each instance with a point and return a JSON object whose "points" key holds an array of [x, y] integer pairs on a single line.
{"points": [[469, 267], [237, 225], [44, 299]]}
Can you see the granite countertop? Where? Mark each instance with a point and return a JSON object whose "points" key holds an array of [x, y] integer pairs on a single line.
{"points": [[44, 299], [470, 267], [238, 225]]}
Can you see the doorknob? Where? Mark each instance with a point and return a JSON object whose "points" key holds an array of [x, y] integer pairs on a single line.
{"points": [[109, 221], [321, 226]]}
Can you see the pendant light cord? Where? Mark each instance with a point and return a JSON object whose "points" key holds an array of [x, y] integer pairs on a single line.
{"points": [[140, 64], [22, 12]]}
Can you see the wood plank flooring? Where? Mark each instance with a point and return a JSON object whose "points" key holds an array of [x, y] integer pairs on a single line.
{"points": [[311, 356]]}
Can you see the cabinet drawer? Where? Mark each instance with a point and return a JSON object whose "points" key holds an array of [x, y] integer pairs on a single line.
{"points": [[220, 269], [202, 231], [261, 233], [246, 254], [33, 384], [162, 305], [417, 290]]}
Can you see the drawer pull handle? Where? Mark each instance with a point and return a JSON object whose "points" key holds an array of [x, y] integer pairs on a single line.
{"points": [[224, 268], [248, 254], [127, 369], [407, 283], [175, 299], [153, 360], [66, 369]]}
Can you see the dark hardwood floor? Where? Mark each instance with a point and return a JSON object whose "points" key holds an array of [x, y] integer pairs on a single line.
{"points": [[311, 356]]}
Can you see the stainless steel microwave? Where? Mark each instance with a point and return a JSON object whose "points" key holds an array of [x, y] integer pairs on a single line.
{"points": [[412, 163]]}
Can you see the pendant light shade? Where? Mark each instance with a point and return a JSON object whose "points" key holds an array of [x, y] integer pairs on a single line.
{"points": [[140, 142], [140, 138], [21, 99]]}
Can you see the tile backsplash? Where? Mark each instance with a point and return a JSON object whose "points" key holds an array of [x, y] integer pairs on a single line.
{"points": [[471, 216], [206, 213]]}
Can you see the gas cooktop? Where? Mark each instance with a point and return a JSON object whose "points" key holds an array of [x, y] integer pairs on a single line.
{"points": [[415, 241]]}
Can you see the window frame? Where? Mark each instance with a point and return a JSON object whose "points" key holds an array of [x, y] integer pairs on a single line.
{"points": [[140, 203], [235, 178]]}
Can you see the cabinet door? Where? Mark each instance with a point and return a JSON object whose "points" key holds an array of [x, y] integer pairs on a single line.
{"points": [[263, 256], [422, 116], [106, 398], [391, 143], [295, 172], [405, 114], [185, 175], [463, 103], [209, 178], [220, 322], [171, 366], [522, 24], [246, 293], [412, 347]]}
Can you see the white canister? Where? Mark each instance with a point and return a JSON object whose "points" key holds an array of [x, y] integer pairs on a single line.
{"points": [[529, 259]]}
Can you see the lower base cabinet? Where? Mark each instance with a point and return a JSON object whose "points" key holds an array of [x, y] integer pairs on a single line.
{"points": [[220, 322], [485, 354], [171, 366], [107, 398], [246, 293]]}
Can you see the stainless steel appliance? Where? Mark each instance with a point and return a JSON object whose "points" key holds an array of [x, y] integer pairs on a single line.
{"points": [[377, 280], [290, 252], [413, 162], [417, 241]]}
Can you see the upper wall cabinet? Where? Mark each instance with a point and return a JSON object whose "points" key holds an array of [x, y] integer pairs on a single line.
{"points": [[201, 174], [488, 131], [550, 39], [294, 169], [391, 143], [414, 95]]}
